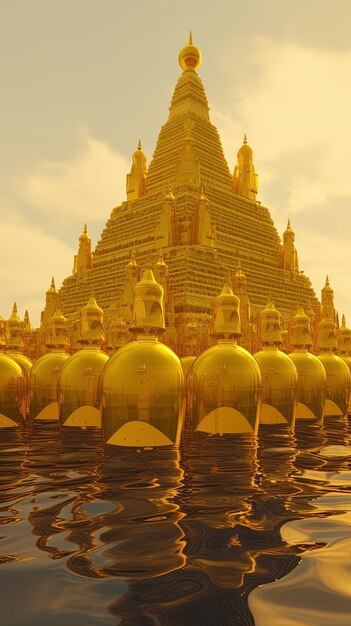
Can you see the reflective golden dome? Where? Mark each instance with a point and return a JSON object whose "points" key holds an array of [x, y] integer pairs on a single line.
{"points": [[190, 56], [311, 383], [337, 372], [45, 371], [43, 386], [337, 386], [344, 347], [78, 385], [79, 393], [13, 403], [279, 375], [143, 395], [143, 382], [225, 382]]}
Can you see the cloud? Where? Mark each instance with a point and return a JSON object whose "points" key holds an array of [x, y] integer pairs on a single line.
{"points": [[43, 219], [296, 114], [28, 258], [87, 186]]}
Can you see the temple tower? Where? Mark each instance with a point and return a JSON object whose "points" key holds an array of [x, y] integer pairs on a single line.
{"points": [[83, 261], [328, 309], [50, 303], [289, 253], [245, 179], [189, 158]]}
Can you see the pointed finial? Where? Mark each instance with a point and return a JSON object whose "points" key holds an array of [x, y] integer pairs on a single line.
{"points": [[327, 281], [14, 308], [343, 321], [85, 229], [289, 225], [245, 138], [26, 316], [190, 56], [139, 145], [52, 286]]}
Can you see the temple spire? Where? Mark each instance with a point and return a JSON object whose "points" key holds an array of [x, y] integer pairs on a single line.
{"points": [[244, 176], [190, 56]]}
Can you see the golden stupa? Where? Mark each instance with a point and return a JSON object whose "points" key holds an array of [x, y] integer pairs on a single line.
{"points": [[224, 390], [45, 371], [143, 383], [203, 220], [192, 226], [279, 375], [13, 403], [79, 396], [311, 385], [337, 371], [344, 347]]}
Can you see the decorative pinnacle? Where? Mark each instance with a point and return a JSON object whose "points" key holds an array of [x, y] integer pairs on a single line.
{"points": [[85, 229], [52, 286], [343, 321], [14, 308], [190, 56], [289, 225], [139, 145], [327, 281], [245, 138]]}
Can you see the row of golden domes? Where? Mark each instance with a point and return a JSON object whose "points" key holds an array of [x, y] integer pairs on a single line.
{"points": [[140, 391]]}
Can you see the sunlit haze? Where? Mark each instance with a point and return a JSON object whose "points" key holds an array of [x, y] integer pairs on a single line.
{"points": [[82, 81]]}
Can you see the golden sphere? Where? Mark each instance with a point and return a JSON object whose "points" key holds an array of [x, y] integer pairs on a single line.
{"points": [[190, 58]]}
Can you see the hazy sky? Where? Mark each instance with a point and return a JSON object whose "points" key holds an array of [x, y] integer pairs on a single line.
{"points": [[82, 80]]}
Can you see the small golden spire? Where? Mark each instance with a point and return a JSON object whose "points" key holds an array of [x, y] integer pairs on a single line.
{"points": [[245, 138], [226, 314], [327, 281], [148, 313], [14, 309], [190, 56], [343, 321]]}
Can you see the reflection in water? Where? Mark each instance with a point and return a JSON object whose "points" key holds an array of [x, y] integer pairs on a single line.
{"points": [[210, 534]]}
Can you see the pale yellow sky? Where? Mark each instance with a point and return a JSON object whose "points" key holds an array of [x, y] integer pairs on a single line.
{"points": [[82, 80]]}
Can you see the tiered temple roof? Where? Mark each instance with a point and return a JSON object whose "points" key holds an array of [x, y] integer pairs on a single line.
{"points": [[189, 161]]}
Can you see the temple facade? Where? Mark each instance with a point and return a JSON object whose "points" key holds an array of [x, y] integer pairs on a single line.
{"points": [[197, 224]]}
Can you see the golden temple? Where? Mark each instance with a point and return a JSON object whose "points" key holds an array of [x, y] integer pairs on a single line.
{"points": [[195, 222], [151, 297]]}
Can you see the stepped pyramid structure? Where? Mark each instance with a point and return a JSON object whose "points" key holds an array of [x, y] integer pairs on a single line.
{"points": [[194, 222]]}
